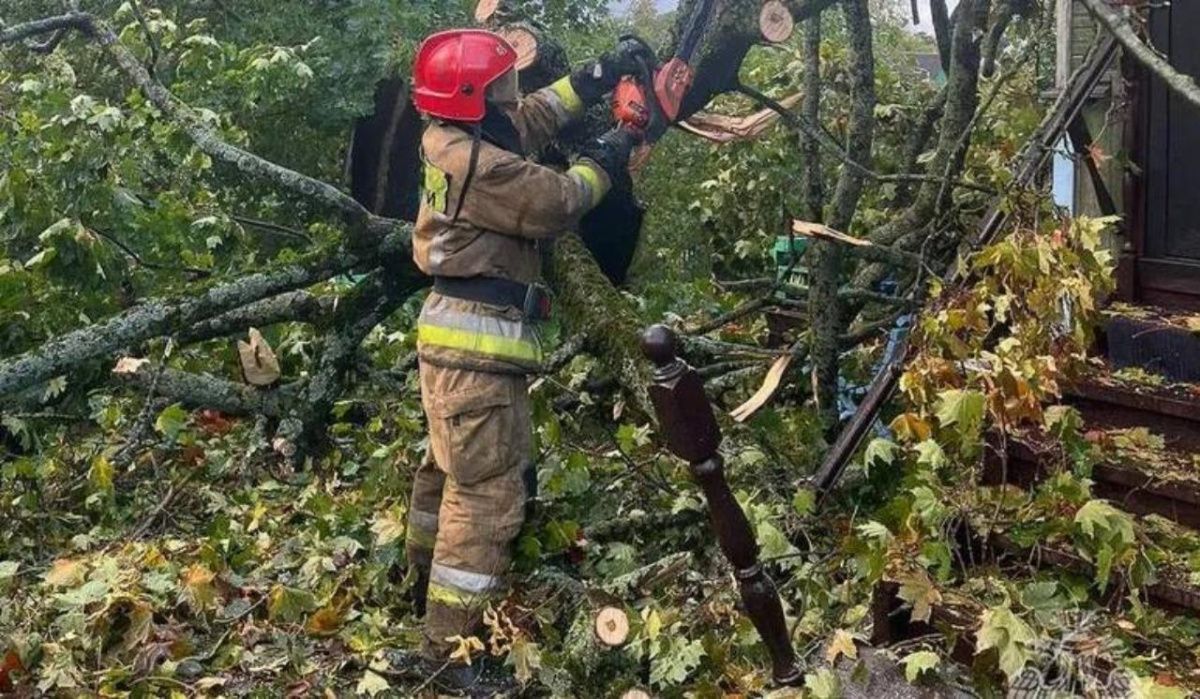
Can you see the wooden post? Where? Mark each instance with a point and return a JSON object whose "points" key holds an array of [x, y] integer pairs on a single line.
{"points": [[690, 428]]}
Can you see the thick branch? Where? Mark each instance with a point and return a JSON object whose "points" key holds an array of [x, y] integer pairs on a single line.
{"points": [[200, 391], [602, 314], [25, 30], [160, 317], [296, 306], [1181, 84]]}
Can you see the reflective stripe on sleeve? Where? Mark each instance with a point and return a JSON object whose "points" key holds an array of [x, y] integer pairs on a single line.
{"points": [[565, 91], [592, 183]]}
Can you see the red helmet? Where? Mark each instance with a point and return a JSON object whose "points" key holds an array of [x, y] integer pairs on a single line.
{"points": [[453, 69]]}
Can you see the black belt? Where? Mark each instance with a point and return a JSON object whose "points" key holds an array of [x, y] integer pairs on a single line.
{"points": [[532, 299]]}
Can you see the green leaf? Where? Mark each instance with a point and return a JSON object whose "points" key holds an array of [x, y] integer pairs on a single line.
{"points": [[881, 451], [372, 684], [8, 570], [804, 502], [929, 453], [824, 684], [919, 662], [171, 421], [1012, 638], [962, 408], [1147, 688], [100, 475], [288, 604]]}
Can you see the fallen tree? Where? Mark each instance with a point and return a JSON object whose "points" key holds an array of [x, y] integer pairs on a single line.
{"points": [[592, 306]]}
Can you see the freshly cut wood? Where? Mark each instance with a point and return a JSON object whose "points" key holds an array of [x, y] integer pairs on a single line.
{"points": [[722, 128], [485, 9], [776, 22], [129, 365], [823, 232], [612, 626], [524, 41], [636, 694], [770, 385], [260, 367]]}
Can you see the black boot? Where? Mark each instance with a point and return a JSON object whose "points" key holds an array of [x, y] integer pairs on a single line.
{"points": [[482, 679]]}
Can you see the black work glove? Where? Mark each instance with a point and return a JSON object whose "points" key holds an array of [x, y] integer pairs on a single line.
{"points": [[598, 78], [611, 152]]}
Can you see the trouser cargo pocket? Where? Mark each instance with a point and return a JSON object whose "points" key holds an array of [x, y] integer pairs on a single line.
{"points": [[476, 427]]}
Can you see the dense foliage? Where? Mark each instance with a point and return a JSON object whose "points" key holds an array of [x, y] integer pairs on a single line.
{"points": [[154, 550]]}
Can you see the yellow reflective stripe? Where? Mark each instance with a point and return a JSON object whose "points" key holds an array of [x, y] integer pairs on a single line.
{"points": [[421, 538], [595, 183], [450, 597], [570, 99], [467, 341], [436, 187]]}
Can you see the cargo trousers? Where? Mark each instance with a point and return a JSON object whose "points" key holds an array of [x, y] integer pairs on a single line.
{"points": [[469, 496]]}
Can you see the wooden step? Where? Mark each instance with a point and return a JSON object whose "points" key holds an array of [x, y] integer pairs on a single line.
{"points": [[1107, 402], [1156, 341], [1131, 487]]}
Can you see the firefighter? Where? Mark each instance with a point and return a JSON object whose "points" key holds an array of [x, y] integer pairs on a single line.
{"points": [[485, 213]]}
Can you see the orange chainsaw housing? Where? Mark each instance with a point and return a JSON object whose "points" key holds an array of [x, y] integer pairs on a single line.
{"points": [[630, 106]]}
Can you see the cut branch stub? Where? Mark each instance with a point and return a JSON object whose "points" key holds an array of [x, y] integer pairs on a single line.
{"points": [[485, 10], [524, 41], [612, 626], [776, 22]]}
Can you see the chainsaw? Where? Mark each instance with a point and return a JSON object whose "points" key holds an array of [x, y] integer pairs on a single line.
{"points": [[651, 102]]}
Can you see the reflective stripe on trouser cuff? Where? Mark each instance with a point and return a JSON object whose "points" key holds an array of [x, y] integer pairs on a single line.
{"points": [[422, 529], [565, 92], [592, 182], [461, 589], [478, 334]]}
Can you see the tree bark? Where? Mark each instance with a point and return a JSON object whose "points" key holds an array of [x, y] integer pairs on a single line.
{"points": [[1119, 26]]}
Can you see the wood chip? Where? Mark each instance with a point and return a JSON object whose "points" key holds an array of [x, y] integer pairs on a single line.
{"points": [[485, 9], [776, 22], [129, 365], [525, 43], [636, 694], [770, 385], [260, 367], [612, 626]]}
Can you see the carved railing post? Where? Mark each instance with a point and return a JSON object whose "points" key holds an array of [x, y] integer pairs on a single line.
{"points": [[687, 421]]}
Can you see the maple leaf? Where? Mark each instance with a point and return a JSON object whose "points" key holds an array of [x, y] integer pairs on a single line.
{"points": [[464, 647], [388, 526], [372, 684], [196, 588], [65, 573], [910, 427], [918, 590], [1012, 638], [920, 662], [959, 407], [842, 644], [525, 658]]}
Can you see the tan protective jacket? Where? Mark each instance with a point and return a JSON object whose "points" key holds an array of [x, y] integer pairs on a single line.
{"points": [[511, 204]]}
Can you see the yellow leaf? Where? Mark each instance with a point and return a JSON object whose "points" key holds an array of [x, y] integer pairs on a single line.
{"points": [[65, 573], [919, 591], [196, 588], [324, 621], [464, 647], [842, 644], [909, 427]]}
